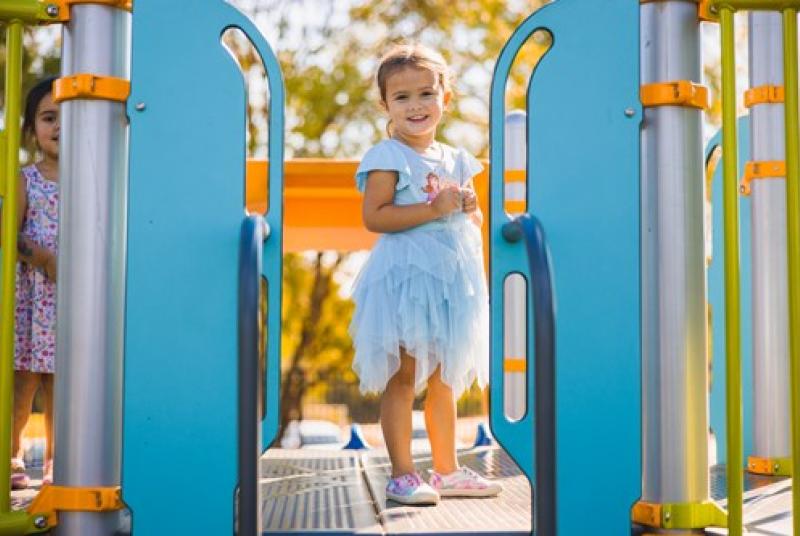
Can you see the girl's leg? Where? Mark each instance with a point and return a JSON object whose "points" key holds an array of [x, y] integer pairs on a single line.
{"points": [[396, 406], [440, 421], [25, 386], [47, 399]]}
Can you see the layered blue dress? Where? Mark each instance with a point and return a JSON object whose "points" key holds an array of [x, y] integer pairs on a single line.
{"points": [[422, 289]]}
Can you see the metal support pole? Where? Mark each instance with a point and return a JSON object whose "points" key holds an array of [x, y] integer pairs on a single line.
{"points": [[733, 344], [768, 224], [515, 317], [674, 332], [793, 242], [10, 172], [91, 267]]}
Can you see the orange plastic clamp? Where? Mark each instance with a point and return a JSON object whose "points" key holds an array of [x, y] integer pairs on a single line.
{"points": [[679, 93], [515, 364], [64, 11], [515, 207], [52, 499], [90, 86], [767, 169], [763, 95], [645, 513], [515, 175], [704, 12]]}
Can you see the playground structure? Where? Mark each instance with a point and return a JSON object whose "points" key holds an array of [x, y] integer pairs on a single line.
{"points": [[621, 411]]}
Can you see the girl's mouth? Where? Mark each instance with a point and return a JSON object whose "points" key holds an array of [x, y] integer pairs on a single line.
{"points": [[417, 118]]}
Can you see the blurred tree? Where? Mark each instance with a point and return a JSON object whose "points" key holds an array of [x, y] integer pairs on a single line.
{"points": [[41, 58], [315, 341], [328, 62]]}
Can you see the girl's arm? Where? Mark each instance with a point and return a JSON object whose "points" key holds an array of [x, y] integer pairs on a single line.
{"points": [[29, 252], [381, 215], [471, 204]]}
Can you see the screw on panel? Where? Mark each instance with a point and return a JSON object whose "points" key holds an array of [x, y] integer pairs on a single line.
{"points": [[51, 10], [630, 112], [777, 467], [140, 106], [40, 522]]}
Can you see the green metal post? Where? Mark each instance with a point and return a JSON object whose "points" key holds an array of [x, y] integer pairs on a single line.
{"points": [[733, 344], [793, 238], [29, 11], [10, 171]]}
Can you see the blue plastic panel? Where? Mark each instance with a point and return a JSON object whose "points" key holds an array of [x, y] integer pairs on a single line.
{"points": [[187, 170], [583, 169]]}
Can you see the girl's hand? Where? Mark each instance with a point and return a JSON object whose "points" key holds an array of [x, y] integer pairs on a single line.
{"points": [[470, 200], [448, 200], [50, 267]]}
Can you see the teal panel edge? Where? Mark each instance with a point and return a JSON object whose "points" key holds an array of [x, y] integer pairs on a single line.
{"points": [[716, 298], [186, 204], [583, 169]]}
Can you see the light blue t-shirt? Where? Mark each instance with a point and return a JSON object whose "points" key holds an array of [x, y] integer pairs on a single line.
{"points": [[419, 177]]}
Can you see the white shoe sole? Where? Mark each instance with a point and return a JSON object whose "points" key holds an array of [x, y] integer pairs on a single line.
{"points": [[418, 499], [487, 492]]}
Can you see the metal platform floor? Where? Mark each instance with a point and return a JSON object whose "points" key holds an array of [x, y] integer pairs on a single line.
{"points": [[342, 492], [767, 505]]}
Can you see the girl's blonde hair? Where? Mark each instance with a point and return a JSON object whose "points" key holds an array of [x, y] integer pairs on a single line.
{"points": [[417, 56]]}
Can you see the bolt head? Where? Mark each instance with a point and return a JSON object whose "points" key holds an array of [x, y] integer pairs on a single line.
{"points": [[776, 467], [140, 106], [51, 10], [40, 522], [630, 112]]}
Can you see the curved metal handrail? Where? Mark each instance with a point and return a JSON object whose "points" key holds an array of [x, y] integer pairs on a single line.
{"points": [[251, 392], [542, 297]]}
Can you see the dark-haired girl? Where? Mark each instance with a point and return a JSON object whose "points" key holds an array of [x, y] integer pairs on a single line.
{"points": [[35, 326]]}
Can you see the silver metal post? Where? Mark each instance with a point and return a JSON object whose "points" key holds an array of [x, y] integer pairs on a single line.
{"points": [[91, 267], [514, 289], [674, 332], [770, 293]]}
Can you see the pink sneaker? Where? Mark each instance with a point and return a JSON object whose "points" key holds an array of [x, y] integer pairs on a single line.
{"points": [[19, 479], [464, 482], [411, 489]]}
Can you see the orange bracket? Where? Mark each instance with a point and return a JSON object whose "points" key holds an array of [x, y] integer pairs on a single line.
{"points": [[64, 10], [767, 169], [763, 95], [90, 86], [679, 93], [515, 364], [704, 12], [52, 499]]}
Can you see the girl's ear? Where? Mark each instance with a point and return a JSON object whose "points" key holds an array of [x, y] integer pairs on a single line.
{"points": [[383, 106]]}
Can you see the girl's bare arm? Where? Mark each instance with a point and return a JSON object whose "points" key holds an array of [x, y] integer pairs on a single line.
{"points": [[381, 215], [27, 251]]}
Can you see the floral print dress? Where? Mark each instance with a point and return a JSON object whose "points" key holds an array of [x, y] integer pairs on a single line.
{"points": [[35, 327]]}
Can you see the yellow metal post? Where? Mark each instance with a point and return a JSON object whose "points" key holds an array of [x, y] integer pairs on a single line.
{"points": [[793, 238], [733, 344], [10, 170]]}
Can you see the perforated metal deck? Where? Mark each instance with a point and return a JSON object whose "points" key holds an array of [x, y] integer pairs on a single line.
{"points": [[767, 505], [341, 492]]}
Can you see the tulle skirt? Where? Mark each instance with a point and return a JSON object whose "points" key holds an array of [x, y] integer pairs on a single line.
{"points": [[423, 290]]}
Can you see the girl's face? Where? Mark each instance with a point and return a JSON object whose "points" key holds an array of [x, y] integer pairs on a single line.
{"points": [[47, 127], [415, 101]]}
